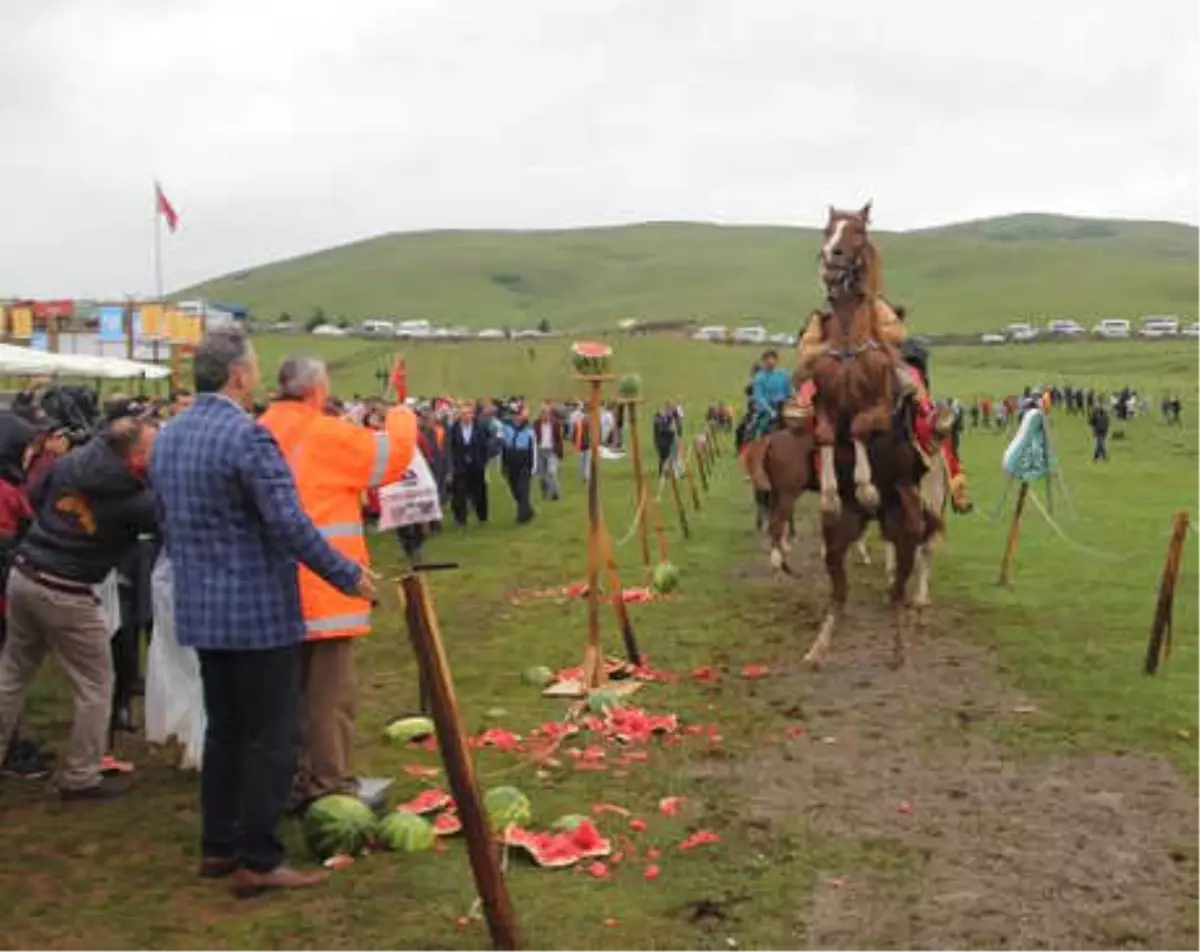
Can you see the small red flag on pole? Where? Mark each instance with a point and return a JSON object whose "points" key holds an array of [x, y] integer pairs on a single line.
{"points": [[165, 208]]}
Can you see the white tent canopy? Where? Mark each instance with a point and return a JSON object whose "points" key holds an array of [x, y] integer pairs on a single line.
{"points": [[23, 362]]}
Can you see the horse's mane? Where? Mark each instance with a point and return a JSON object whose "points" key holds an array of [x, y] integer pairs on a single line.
{"points": [[872, 277]]}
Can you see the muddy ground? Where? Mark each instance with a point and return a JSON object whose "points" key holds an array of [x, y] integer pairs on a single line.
{"points": [[1001, 849]]}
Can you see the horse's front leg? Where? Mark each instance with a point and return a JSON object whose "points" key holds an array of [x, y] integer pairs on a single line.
{"points": [[830, 500], [781, 510], [906, 551], [864, 486], [837, 535]]}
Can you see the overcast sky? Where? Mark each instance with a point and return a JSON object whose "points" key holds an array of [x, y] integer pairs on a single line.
{"points": [[283, 126]]}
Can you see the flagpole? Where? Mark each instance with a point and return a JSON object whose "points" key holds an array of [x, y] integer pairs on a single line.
{"points": [[158, 281]]}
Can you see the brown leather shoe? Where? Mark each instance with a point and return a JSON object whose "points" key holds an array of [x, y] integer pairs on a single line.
{"points": [[248, 883], [217, 867]]}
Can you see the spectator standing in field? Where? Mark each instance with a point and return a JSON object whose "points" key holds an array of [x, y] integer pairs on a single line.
{"points": [[549, 449], [518, 459], [469, 447], [333, 462], [665, 436], [88, 511], [1099, 422], [235, 534]]}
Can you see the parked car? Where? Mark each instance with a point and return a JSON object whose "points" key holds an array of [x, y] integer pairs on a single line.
{"points": [[1021, 332], [992, 338], [379, 328], [750, 335], [1192, 330], [329, 330], [1153, 327], [1112, 328], [490, 333], [714, 332], [1065, 327]]}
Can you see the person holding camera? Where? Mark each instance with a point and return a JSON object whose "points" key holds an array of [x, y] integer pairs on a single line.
{"points": [[88, 512]]}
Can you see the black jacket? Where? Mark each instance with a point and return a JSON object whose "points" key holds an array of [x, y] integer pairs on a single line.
{"points": [[88, 514], [471, 455]]}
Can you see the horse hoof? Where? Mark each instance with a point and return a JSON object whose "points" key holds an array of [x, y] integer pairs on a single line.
{"points": [[867, 496], [831, 505], [814, 660], [896, 661], [776, 559], [785, 545]]}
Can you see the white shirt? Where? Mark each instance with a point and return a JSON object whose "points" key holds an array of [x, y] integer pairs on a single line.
{"points": [[546, 434], [467, 430]]}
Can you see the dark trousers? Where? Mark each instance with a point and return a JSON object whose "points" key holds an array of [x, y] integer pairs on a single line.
{"points": [[252, 699], [469, 484], [520, 478], [664, 449], [1101, 452], [126, 649], [411, 539]]}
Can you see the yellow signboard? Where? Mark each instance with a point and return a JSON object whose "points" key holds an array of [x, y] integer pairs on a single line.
{"points": [[4, 325], [154, 322], [22, 322], [192, 329]]}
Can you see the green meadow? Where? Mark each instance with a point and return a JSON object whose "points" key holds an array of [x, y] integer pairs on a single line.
{"points": [[1049, 667]]}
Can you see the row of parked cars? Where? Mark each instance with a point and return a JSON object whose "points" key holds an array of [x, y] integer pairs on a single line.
{"points": [[717, 333], [1154, 327], [423, 330]]}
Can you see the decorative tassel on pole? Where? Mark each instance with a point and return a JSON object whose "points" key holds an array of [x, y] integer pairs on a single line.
{"points": [[1159, 647]]}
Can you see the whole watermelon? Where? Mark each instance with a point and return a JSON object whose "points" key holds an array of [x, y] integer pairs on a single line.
{"points": [[338, 824], [537, 675], [405, 730], [666, 577], [630, 386], [507, 805], [406, 833]]}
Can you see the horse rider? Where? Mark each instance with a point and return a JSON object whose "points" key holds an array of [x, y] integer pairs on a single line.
{"points": [[929, 423], [769, 389]]}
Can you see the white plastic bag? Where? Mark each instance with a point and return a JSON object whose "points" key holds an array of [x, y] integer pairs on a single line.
{"points": [[174, 694], [110, 603]]}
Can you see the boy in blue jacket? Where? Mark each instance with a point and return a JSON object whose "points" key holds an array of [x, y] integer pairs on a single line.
{"points": [[518, 459], [768, 390]]}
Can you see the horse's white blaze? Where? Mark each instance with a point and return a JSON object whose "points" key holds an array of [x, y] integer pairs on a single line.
{"points": [[838, 230]]}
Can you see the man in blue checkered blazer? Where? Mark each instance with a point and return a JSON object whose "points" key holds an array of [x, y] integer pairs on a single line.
{"points": [[234, 532]]}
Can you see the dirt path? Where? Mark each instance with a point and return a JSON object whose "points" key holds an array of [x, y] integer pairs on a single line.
{"points": [[1011, 851]]}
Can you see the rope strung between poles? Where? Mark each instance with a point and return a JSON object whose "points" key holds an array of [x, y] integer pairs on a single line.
{"points": [[633, 526]]}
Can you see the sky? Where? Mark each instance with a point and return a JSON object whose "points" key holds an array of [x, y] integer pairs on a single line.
{"points": [[280, 128]]}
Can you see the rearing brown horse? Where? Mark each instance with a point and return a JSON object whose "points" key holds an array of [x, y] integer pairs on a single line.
{"points": [[848, 350]]}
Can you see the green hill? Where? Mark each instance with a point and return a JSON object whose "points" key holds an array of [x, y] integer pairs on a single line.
{"points": [[971, 276]]}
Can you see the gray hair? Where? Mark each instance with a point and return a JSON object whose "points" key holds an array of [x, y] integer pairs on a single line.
{"points": [[299, 376], [216, 355]]}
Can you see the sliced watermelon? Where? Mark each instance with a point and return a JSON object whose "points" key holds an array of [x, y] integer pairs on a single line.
{"points": [[590, 359], [447, 824], [550, 850], [587, 839], [430, 801]]}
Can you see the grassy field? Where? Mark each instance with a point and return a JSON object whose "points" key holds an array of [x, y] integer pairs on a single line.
{"points": [[1059, 698], [1038, 266]]}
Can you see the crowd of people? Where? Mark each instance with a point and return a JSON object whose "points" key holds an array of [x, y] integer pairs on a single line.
{"points": [[252, 515]]}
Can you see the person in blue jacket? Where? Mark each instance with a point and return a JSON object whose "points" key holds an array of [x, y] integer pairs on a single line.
{"points": [[768, 390], [518, 460]]}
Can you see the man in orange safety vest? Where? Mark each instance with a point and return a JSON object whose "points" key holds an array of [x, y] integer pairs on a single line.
{"points": [[333, 462]]}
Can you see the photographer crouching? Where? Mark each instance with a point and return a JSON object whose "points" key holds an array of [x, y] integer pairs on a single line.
{"points": [[89, 511]]}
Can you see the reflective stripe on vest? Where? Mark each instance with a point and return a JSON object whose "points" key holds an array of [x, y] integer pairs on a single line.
{"points": [[383, 450], [341, 530], [337, 622]]}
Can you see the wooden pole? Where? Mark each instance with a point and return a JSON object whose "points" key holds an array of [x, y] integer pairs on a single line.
{"points": [[52, 332], [691, 476], [176, 366], [1014, 530], [1159, 645], [702, 464], [632, 652], [593, 660], [128, 322], [687, 532], [639, 483], [460, 769]]}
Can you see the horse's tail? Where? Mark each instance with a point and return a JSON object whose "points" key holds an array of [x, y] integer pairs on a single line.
{"points": [[758, 467]]}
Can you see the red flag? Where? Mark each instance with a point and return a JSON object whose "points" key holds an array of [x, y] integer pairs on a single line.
{"points": [[165, 208], [399, 379]]}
